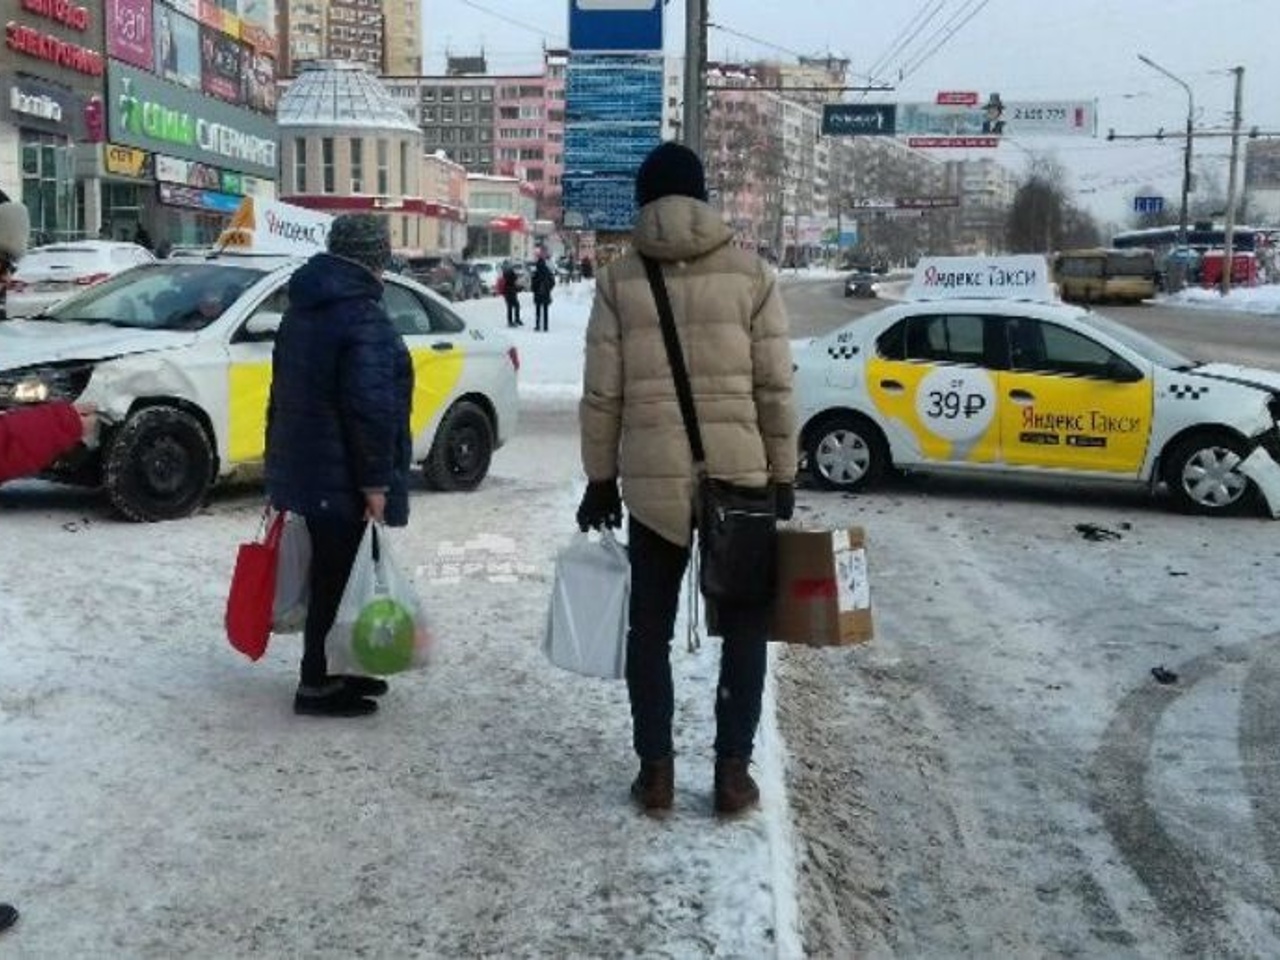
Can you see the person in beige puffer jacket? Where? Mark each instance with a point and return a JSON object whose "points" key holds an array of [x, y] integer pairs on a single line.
{"points": [[734, 335]]}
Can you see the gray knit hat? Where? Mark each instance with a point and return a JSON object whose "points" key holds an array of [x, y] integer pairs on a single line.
{"points": [[362, 237]]}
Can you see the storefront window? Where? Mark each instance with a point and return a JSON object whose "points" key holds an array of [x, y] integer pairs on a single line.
{"points": [[384, 179], [48, 187], [404, 168], [326, 157]]}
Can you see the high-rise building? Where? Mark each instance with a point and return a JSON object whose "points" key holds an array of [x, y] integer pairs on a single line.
{"points": [[385, 34]]}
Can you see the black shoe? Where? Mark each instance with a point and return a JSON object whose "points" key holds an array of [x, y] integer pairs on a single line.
{"points": [[332, 700], [364, 686], [8, 915]]}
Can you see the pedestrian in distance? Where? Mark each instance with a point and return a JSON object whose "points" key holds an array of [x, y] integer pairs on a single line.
{"points": [[338, 439], [511, 294], [542, 283], [733, 328]]}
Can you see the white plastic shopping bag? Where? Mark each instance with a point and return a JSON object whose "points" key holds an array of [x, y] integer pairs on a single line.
{"points": [[587, 622], [380, 628], [293, 577]]}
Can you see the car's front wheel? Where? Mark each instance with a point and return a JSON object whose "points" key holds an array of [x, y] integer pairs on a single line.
{"points": [[1202, 472], [846, 452], [462, 450], [158, 465]]}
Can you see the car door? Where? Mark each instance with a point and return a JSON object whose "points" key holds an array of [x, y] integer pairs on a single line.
{"points": [[249, 378], [1069, 402], [437, 346], [930, 378]]}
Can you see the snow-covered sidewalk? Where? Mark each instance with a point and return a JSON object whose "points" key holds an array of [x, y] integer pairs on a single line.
{"points": [[159, 798]]}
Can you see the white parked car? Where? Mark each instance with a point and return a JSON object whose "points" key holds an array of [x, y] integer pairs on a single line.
{"points": [[48, 275], [177, 356]]}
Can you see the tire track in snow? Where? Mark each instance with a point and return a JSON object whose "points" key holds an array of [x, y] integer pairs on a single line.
{"points": [[1258, 737]]}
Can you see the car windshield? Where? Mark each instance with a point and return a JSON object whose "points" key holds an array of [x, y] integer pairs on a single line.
{"points": [[167, 296], [1139, 343]]}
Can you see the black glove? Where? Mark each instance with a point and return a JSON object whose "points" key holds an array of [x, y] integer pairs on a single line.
{"points": [[785, 498], [601, 506]]}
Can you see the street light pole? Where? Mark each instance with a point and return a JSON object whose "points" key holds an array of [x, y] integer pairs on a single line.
{"points": [[695, 75], [1186, 155]]}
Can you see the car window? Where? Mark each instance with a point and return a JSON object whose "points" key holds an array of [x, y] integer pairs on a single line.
{"points": [[277, 302], [406, 311], [444, 320], [1042, 347], [946, 338], [161, 296]]}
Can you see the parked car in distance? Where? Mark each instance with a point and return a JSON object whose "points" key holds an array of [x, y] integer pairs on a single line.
{"points": [[438, 273], [487, 272], [48, 275]]}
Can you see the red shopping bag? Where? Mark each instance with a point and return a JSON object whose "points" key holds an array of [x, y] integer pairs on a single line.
{"points": [[251, 602]]}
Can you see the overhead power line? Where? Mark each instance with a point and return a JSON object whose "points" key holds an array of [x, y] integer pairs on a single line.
{"points": [[923, 59], [907, 34], [773, 46], [510, 21]]}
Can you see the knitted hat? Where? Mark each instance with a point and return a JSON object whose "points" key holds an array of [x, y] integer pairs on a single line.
{"points": [[670, 170], [14, 228], [362, 237]]}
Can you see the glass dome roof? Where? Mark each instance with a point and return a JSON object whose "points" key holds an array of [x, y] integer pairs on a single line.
{"points": [[339, 93]]}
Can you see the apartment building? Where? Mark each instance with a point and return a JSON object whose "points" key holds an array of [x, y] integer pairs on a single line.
{"points": [[385, 34]]}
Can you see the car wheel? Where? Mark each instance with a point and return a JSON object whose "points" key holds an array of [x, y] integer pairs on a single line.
{"points": [[159, 465], [462, 450], [1203, 476], [846, 452]]}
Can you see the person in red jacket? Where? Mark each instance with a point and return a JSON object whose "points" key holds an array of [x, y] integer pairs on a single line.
{"points": [[31, 438]]}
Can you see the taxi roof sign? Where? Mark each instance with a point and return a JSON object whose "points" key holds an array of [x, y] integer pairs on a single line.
{"points": [[1020, 277], [275, 228]]}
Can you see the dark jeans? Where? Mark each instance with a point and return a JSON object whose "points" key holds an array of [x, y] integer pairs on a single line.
{"points": [[657, 567], [334, 544], [513, 312], [541, 316]]}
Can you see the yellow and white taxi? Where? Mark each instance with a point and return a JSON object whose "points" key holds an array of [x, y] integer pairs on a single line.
{"points": [[177, 356], [981, 368]]}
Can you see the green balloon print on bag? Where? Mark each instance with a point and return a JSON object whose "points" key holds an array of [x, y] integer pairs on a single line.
{"points": [[382, 638]]}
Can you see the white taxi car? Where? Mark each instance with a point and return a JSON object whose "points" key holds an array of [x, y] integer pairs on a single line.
{"points": [[982, 369], [177, 356]]}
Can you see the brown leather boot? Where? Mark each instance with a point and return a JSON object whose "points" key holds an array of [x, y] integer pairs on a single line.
{"points": [[654, 788], [736, 792]]}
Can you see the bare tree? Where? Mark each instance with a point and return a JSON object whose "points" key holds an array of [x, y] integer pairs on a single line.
{"points": [[1043, 217]]}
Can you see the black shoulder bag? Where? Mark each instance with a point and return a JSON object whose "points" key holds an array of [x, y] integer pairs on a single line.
{"points": [[737, 525]]}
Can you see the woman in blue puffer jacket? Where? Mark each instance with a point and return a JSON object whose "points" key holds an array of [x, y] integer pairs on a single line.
{"points": [[338, 439]]}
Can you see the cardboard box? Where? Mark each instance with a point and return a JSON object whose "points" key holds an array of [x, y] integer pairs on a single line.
{"points": [[824, 594]]}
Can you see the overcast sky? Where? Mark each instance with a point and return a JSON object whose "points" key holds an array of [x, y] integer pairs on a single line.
{"points": [[1023, 49]]}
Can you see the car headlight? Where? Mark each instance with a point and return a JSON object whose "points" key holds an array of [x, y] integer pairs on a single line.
{"points": [[38, 384]]}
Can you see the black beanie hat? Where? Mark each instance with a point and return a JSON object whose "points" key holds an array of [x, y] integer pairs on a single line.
{"points": [[670, 170], [362, 237]]}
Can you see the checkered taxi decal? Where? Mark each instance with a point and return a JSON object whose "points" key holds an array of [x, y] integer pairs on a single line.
{"points": [[1187, 391]]}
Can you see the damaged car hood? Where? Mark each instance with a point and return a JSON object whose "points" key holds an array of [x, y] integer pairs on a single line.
{"points": [[26, 343]]}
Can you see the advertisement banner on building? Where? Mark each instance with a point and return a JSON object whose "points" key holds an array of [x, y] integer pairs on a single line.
{"points": [[994, 118], [187, 172], [60, 41], [260, 82], [145, 112], [221, 65], [617, 25], [127, 162], [177, 47], [258, 24], [174, 195], [129, 29], [39, 105], [188, 8]]}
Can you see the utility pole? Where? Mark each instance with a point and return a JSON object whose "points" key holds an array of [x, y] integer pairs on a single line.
{"points": [[695, 74], [1230, 226]]}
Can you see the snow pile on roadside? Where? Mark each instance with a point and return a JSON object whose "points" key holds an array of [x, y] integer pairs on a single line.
{"points": [[1261, 300]]}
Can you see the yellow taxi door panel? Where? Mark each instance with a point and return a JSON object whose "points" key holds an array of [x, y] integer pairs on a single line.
{"points": [[248, 390], [1070, 403], [436, 372], [928, 377]]}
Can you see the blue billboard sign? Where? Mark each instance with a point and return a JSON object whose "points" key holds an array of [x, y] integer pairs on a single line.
{"points": [[616, 25]]}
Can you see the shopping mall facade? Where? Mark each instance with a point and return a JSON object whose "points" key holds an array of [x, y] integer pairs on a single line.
{"points": [[120, 114]]}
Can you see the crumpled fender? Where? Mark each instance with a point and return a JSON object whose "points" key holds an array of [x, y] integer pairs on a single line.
{"points": [[117, 384], [1261, 467]]}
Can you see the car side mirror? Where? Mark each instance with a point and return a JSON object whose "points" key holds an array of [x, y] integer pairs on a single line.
{"points": [[1122, 371], [263, 325]]}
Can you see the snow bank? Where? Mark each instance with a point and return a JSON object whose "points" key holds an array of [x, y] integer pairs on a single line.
{"points": [[1261, 300]]}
